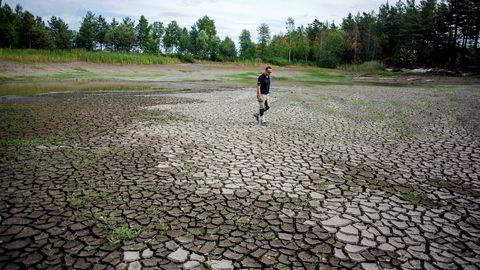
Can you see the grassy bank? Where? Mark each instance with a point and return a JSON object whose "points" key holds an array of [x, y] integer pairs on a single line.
{"points": [[368, 67], [33, 88], [64, 56]]}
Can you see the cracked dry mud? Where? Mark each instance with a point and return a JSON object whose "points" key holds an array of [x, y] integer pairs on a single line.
{"points": [[341, 177]]}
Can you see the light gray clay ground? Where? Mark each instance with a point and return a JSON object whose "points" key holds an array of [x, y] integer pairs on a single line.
{"points": [[358, 177]]}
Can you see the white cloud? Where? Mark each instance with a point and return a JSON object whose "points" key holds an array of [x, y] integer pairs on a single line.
{"points": [[230, 16]]}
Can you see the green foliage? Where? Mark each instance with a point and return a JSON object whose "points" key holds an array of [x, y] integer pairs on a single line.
{"points": [[370, 67], [157, 33], [327, 59], [121, 37], [279, 61], [62, 36], [430, 33], [101, 31], [171, 39], [24, 141], [414, 196], [202, 45], [143, 33], [263, 38], [83, 197], [228, 51], [247, 46], [186, 57], [117, 235], [87, 33], [208, 25]]}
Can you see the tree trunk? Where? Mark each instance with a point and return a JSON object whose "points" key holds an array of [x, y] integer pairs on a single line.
{"points": [[454, 47], [476, 40]]}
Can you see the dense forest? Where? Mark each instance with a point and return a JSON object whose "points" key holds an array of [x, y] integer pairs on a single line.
{"points": [[406, 34]]}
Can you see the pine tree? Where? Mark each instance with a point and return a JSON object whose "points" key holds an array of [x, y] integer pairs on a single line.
{"points": [[263, 39]]}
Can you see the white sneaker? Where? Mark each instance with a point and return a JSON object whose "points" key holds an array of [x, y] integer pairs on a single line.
{"points": [[262, 120]]}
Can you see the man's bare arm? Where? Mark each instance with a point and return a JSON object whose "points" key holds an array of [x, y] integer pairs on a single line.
{"points": [[259, 94]]}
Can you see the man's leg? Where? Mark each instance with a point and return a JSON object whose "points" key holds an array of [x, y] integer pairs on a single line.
{"points": [[266, 107], [262, 109], [266, 102]]}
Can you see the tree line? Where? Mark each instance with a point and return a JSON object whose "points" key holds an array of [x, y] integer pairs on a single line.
{"points": [[429, 33]]}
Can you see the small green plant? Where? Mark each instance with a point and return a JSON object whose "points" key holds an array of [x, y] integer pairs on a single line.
{"points": [[153, 211], [241, 221], [162, 228], [105, 220], [24, 141], [370, 67], [84, 196], [414, 196], [12, 109], [120, 234]]}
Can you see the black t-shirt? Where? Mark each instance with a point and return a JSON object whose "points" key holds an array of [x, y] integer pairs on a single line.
{"points": [[264, 82]]}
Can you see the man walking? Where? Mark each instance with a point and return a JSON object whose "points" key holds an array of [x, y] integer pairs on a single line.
{"points": [[263, 89]]}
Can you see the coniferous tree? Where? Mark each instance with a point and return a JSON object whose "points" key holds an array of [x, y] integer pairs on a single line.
{"points": [[247, 46], [88, 32], [157, 35], [171, 39], [101, 31], [263, 39], [62, 36], [143, 33], [228, 51]]}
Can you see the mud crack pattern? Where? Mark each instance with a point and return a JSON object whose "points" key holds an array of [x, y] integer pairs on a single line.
{"points": [[151, 181]]}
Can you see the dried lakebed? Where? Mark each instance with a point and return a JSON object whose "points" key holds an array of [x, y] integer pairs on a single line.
{"points": [[355, 177]]}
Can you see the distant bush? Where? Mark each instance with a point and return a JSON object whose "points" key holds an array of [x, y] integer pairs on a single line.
{"points": [[327, 59], [186, 57], [63, 56], [278, 61], [370, 66]]}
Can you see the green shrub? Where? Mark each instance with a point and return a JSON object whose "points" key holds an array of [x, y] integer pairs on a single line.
{"points": [[186, 57], [370, 66], [278, 61], [327, 59]]}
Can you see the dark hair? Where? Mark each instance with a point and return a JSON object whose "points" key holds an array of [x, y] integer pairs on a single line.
{"points": [[268, 67]]}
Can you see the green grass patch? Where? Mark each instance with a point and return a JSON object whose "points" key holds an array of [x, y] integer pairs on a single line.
{"points": [[105, 220], [369, 67], [414, 196], [84, 197], [241, 221], [31, 88], [12, 110], [65, 56], [25, 141], [120, 234]]}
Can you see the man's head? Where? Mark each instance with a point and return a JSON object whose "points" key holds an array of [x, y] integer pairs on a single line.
{"points": [[268, 70]]}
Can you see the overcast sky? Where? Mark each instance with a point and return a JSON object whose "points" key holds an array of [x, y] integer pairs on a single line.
{"points": [[230, 16]]}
